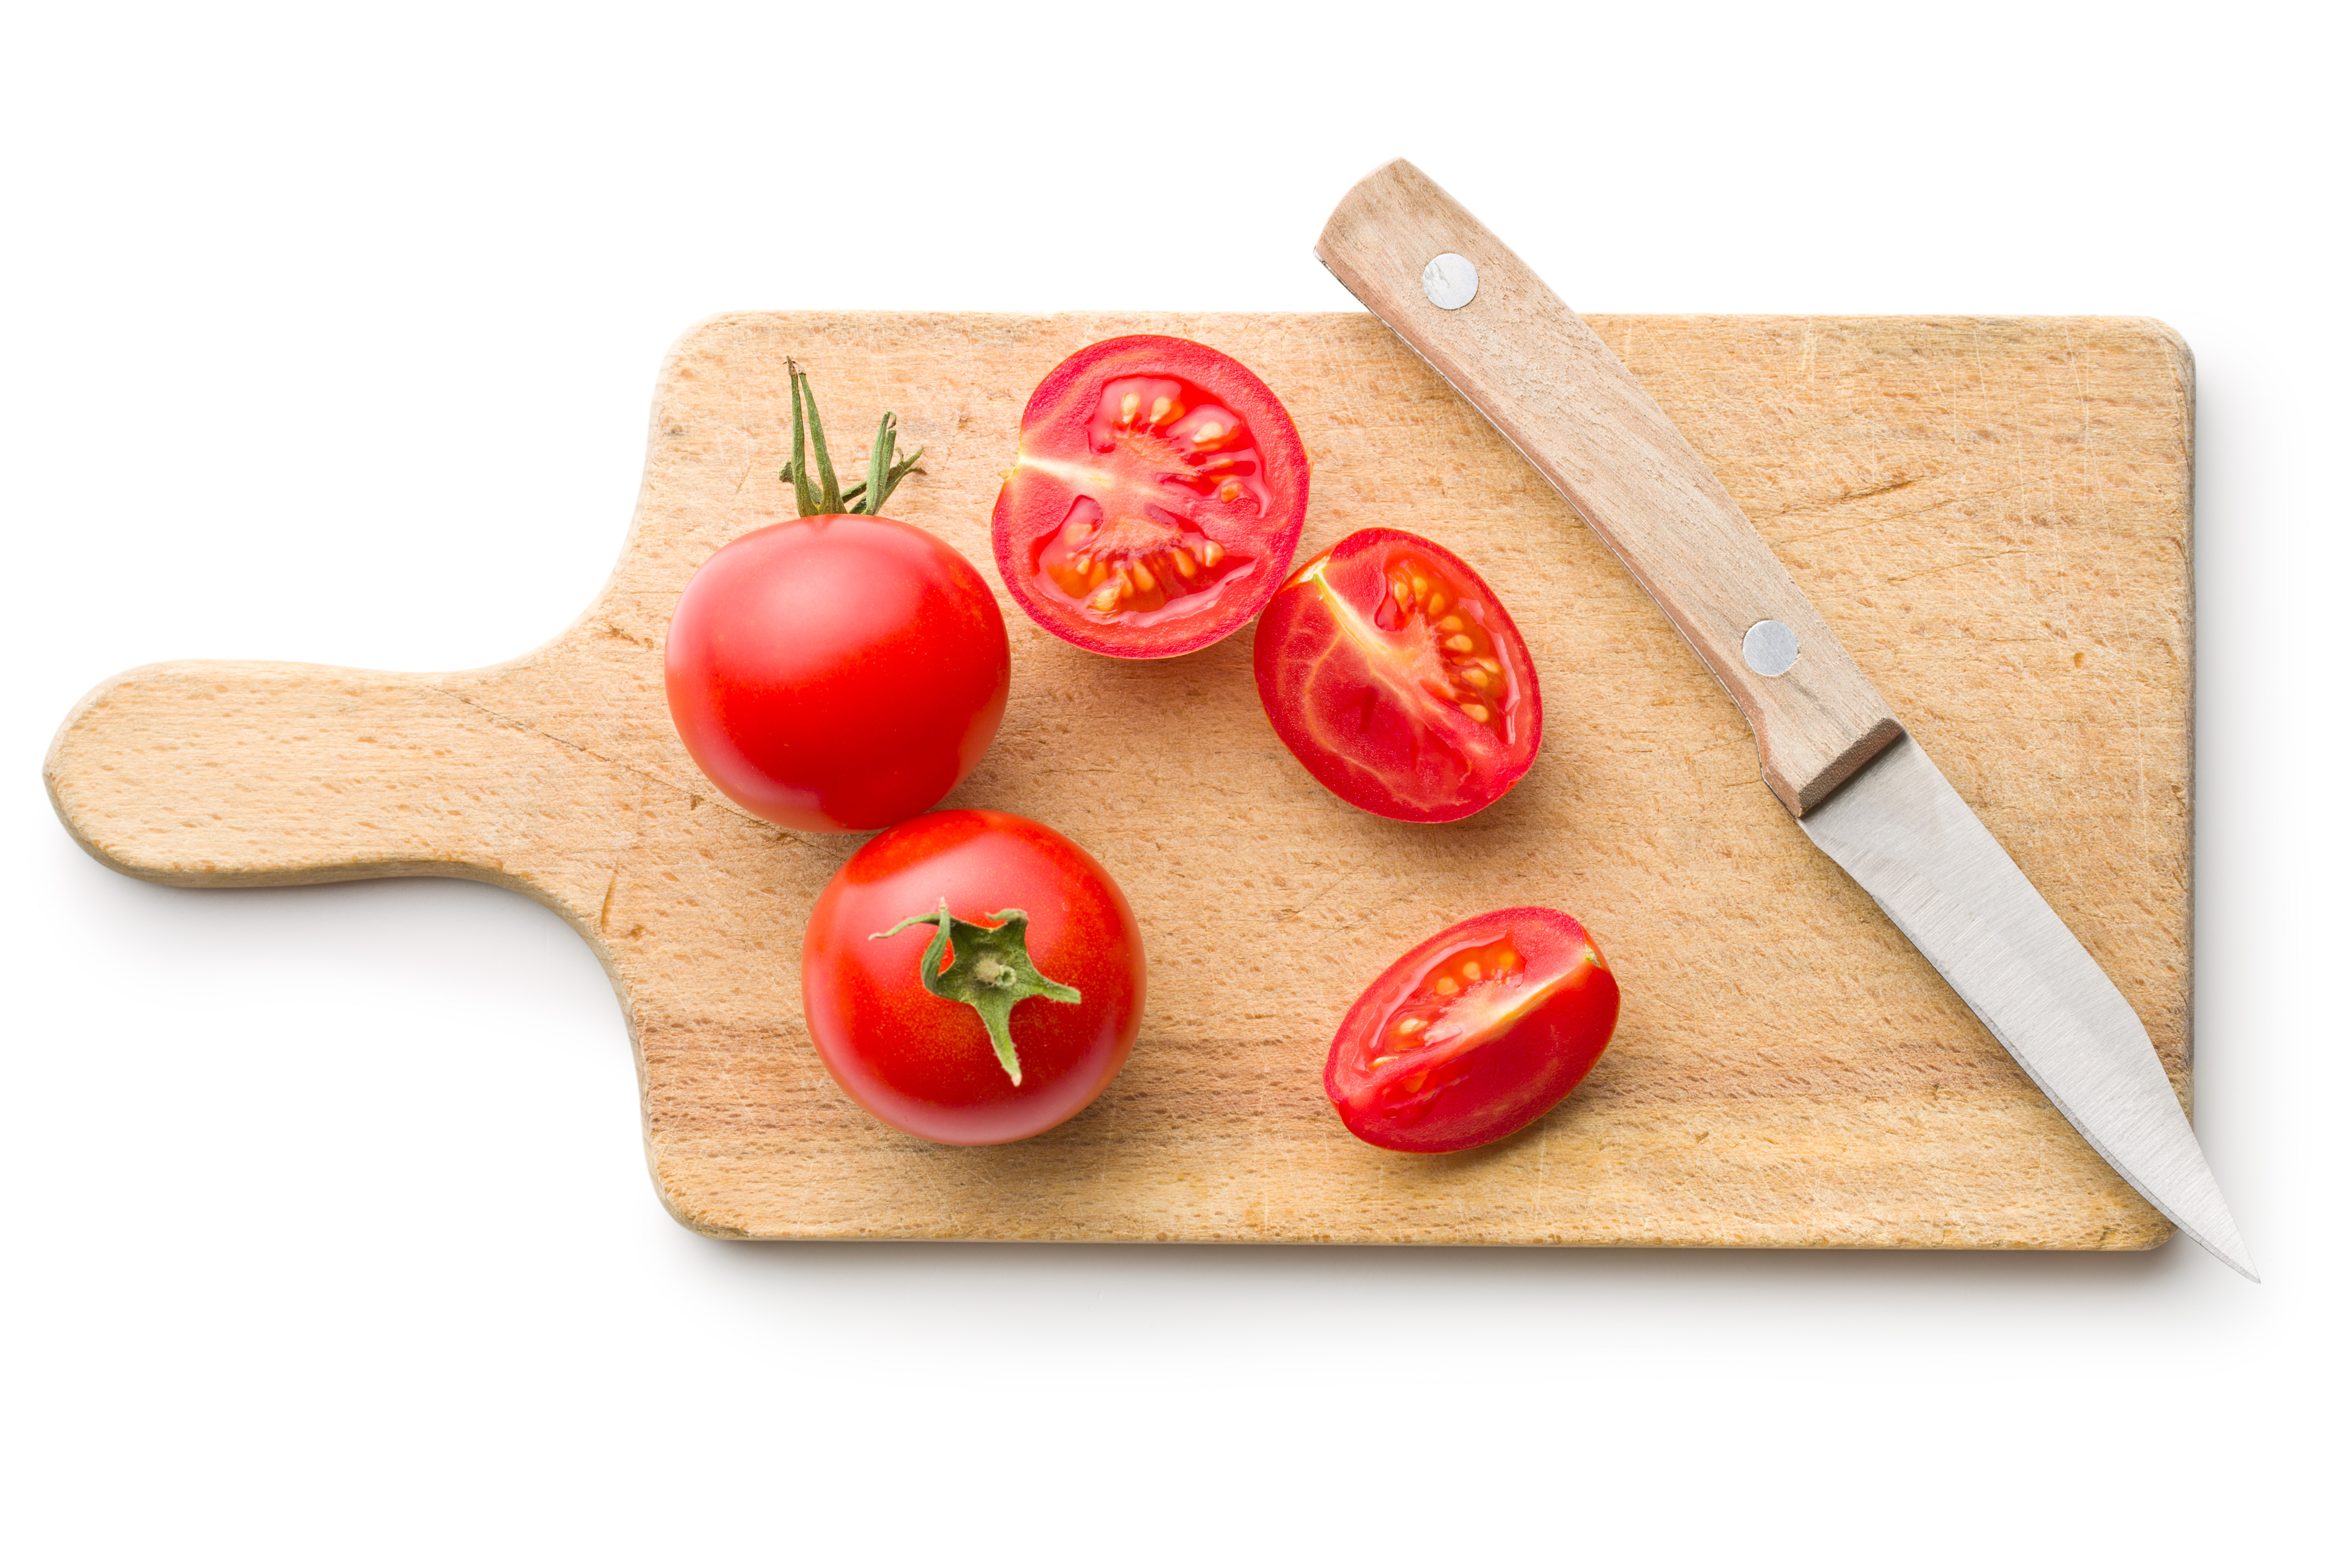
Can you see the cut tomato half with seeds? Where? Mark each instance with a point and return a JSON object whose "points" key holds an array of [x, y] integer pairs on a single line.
{"points": [[1155, 501], [1394, 674], [1473, 1033]]}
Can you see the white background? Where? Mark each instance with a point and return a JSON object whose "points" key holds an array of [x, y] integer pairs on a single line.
{"points": [[329, 336]]}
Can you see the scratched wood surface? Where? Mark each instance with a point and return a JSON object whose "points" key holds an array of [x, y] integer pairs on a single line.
{"points": [[1993, 514]]}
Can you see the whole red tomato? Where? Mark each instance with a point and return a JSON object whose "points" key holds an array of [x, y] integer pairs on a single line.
{"points": [[1473, 1033], [1038, 935], [835, 673], [1391, 671], [1155, 501]]}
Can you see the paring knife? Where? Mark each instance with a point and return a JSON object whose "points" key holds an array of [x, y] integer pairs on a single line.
{"points": [[1831, 750]]}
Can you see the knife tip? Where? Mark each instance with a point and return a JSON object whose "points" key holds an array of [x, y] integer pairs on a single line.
{"points": [[2230, 1250]]}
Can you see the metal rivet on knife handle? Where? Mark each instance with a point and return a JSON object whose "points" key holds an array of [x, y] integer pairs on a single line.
{"points": [[1770, 649], [1451, 281], [1554, 390]]}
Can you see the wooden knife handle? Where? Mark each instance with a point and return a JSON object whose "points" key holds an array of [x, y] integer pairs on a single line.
{"points": [[1530, 364]]}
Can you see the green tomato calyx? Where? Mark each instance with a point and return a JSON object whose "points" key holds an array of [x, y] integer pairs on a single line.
{"points": [[991, 973]]}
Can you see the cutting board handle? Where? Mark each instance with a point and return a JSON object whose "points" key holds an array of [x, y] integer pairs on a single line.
{"points": [[1531, 365], [218, 774]]}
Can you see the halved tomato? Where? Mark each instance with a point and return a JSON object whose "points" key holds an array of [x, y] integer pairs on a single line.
{"points": [[1157, 499], [1473, 1033], [1391, 671]]}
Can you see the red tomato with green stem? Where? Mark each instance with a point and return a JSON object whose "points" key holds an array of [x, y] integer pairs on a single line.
{"points": [[1156, 501], [972, 977], [1395, 675], [844, 670], [1473, 1033]]}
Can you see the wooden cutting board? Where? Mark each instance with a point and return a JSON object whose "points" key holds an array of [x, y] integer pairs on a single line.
{"points": [[1993, 512]]}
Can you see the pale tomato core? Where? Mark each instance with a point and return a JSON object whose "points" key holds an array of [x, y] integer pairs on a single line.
{"points": [[1427, 641], [1462, 997], [1167, 465]]}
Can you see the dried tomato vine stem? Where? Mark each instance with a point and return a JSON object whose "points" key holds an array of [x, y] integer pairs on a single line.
{"points": [[823, 495]]}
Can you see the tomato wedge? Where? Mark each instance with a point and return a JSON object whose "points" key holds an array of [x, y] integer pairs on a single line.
{"points": [[1394, 674], [1157, 499], [1473, 1033]]}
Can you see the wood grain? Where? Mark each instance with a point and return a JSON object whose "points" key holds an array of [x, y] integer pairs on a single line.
{"points": [[1578, 416], [1993, 514]]}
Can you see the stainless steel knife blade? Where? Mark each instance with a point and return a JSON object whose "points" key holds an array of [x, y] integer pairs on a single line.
{"points": [[1857, 784], [1904, 834]]}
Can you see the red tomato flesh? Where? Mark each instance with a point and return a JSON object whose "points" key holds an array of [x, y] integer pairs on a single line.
{"points": [[1155, 501], [1473, 1033], [1394, 674], [837, 673], [924, 1064]]}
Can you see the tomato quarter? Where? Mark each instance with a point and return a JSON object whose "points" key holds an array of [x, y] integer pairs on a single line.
{"points": [[1394, 674], [838, 672], [1038, 932], [1473, 1033], [1155, 501]]}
